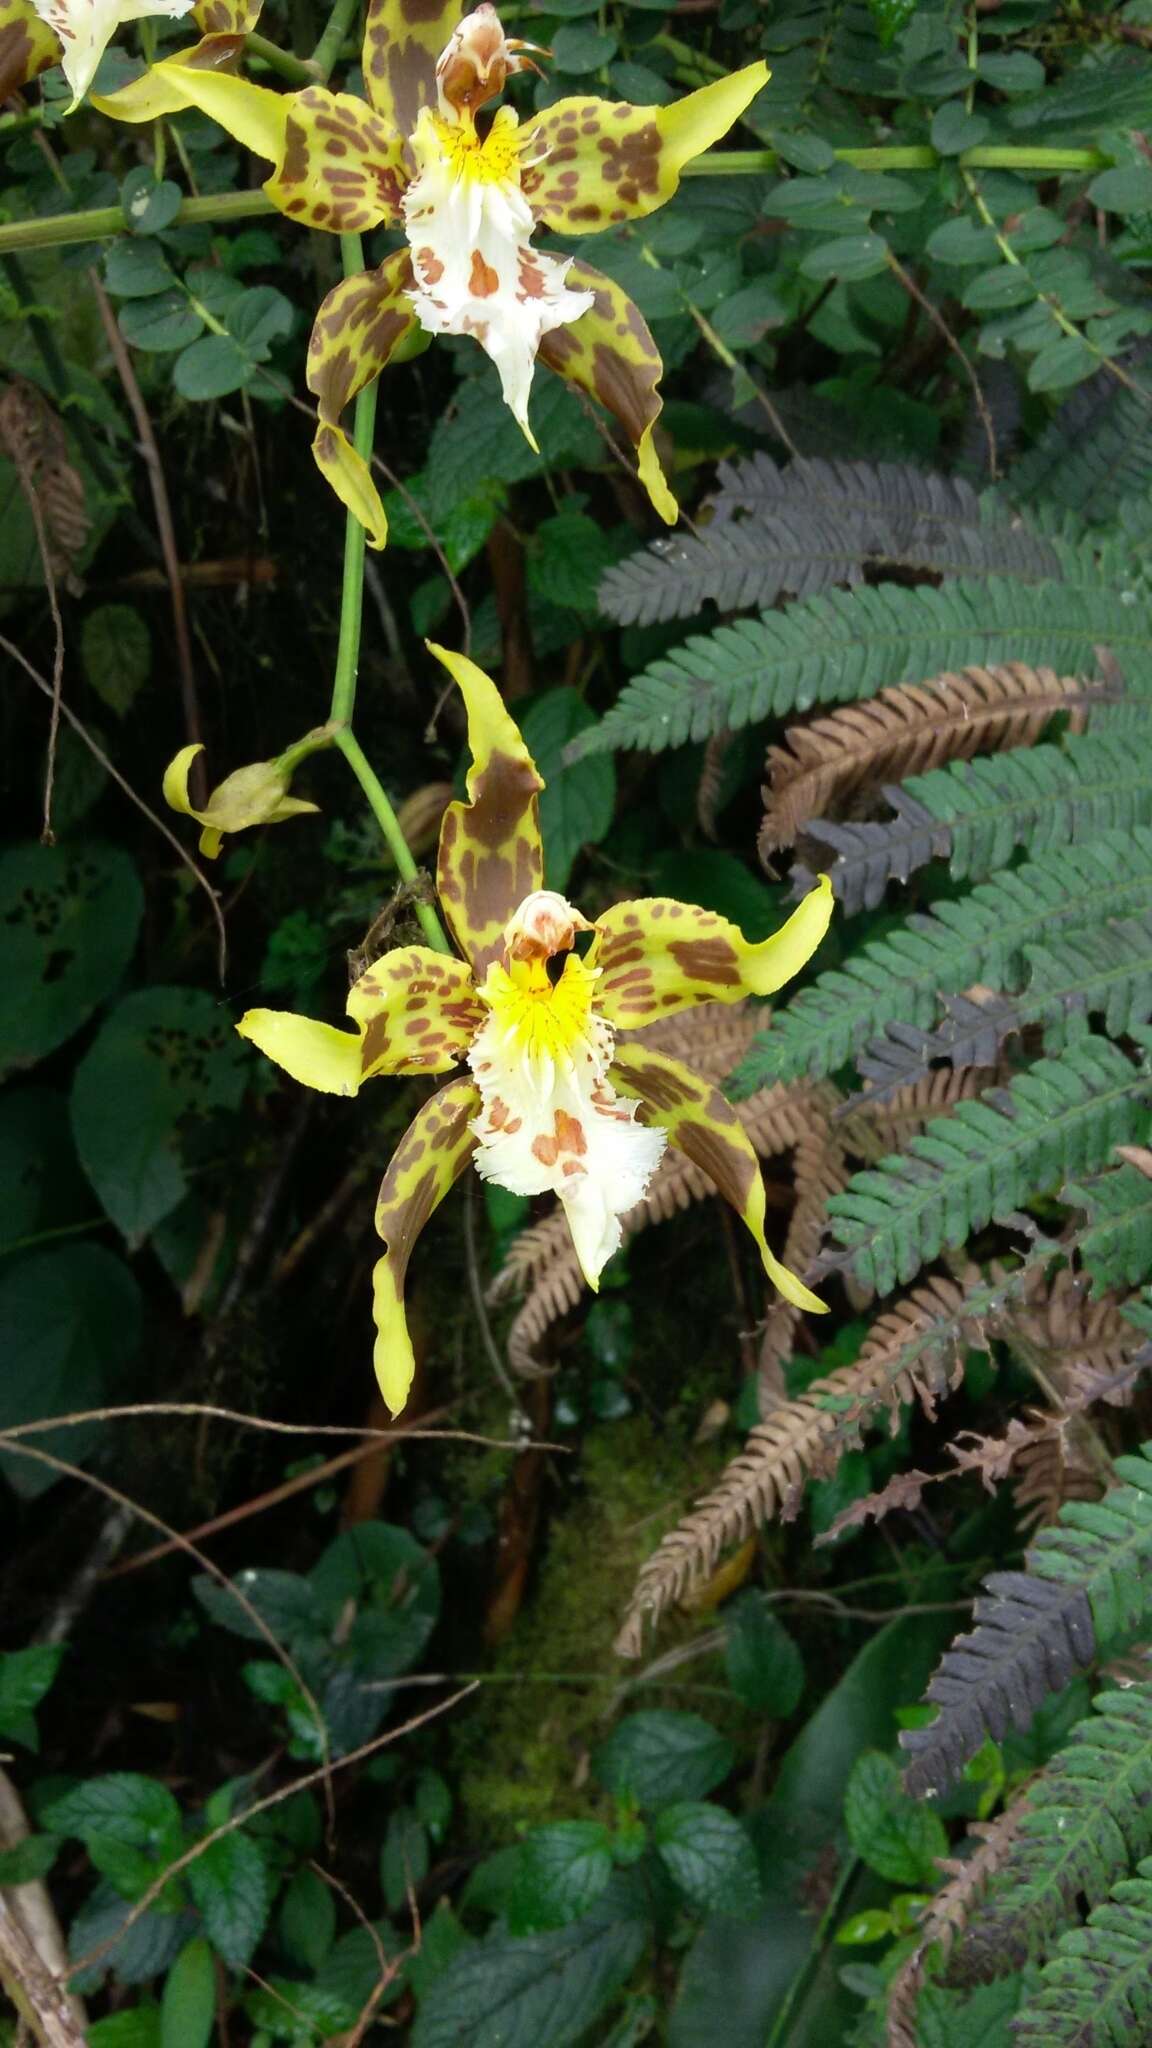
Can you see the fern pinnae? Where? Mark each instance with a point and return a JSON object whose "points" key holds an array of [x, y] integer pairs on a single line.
{"points": [[987, 1159], [1096, 1990], [1116, 1246], [907, 731], [946, 1916]]}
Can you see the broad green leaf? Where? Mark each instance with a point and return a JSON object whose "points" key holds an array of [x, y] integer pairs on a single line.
{"points": [[506, 1992], [583, 47], [137, 270], [563, 1868], [260, 316], [394, 1584], [163, 1059], [1064, 361], [137, 2027], [954, 129], [30, 1860], [307, 1919], [898, 1837], [120, 1807], [116, 649], [709, 1855], [404, 1857], [288, 1604], [160, 324], [1127, 188], [188, 2001], [69, 1320], [568, 555], [139, 1954], [764, 1666], [230, 1885], [860, 1930], [211, 368], [848, 257], [962, 242], [575, 808], [25, 1677], [351, 1972], [659, 1756], [69, 916], [149, 204]]}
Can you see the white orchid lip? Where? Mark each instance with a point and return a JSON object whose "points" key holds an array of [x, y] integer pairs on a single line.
{"points": [[550, 1119]]}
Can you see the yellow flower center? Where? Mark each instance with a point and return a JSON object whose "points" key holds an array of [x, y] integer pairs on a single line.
{"points": [[536, 1018], [490, 160]]}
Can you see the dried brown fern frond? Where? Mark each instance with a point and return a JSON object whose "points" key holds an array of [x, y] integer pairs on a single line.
{"points": [[820, 1170], [710, 787], [874, 1129], [913, 1352], [1079, 1347], [905, 731], [947, 1916], [34, 440], [712, 1039], [1061, 1465]]}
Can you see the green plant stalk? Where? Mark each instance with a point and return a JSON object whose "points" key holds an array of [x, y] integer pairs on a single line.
{"points": [[100, 222], [331, 42], [297, 70], [348, 652]]}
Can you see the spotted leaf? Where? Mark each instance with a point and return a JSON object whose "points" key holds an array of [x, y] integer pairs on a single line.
{"points": [[27, 46], [427, 1162], [610, 352], [491, 855], [415, 1012], [708, 1131], [342, 167], [592, 163], [358, 329], [657, 956], [402, 40]]}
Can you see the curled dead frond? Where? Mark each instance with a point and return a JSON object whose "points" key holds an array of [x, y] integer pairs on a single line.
{"points": [[947, 1916], [913, 1352], [710, 788], [820, 1170], [1061, 1465], [1080, 1349], [34, 440], [906, 731]]}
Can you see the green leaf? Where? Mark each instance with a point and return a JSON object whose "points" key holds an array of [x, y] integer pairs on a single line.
{"points": [[576, 809], [659, 1756], [860, 1930], [997, 291], [257, 318], [743, 317], [137, 270], [962, 242], [1064, 361], [116, 649], [288, 1604], [563, 1868], [160, 324], [506, 1992], [432, 1799], [188, 2001], [25, 1677], [896, 1836], [765, 1669], [568, 555], [307, 1920], [40, 1183], [149, 205], [954, 128], [1125, 189], [404, 1858], [121, 1807], [848, 257], [1012, 71], [394, 1584], [31, 1859], [583, 47], [68, 923], [138, 2027], [163, 1059], [211, 368], [718, 881], [709, 1855], [230, 1885], [69, 1320]]}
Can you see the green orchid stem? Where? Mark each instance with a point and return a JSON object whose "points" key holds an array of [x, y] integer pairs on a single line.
{"points": [[331, 43], [348, 650], [297, 70], [313, 742], [100, 222]]}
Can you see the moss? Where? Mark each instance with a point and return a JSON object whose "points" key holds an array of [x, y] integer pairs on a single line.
{"points": [[521, 1755]]}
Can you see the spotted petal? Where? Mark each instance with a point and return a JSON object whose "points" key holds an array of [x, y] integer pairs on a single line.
{"points": [[227, 17], [491, 855], [342, 167], [657, 956], [427, 1162], [27, 46], [708, 1131], [610, 352], [415, 1012], [402, 40], [359, 327], [598, 162]]}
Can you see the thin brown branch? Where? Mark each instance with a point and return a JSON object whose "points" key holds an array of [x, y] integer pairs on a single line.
{"points": [[941, 325]]}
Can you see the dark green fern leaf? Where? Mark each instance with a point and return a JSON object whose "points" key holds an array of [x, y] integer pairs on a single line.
{"points": [[849, 644], [1088, 1819], [1095, 452], [974, 813], [803, 528], [982, 937], [986, 1160], [1085, 1591], [1116, 1246], [1096, 1992]]}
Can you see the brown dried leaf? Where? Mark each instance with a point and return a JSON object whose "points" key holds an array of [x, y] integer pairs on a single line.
{"points": [[820, 1170], [905, 731], [904, 1490], [33, 438], [947, 1917], [873, 1129]]}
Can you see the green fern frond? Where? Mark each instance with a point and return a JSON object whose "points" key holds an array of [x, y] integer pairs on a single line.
{"points": [[1096, 1992], [1095, 452], [849, 644], [1088, 1819], [1085, 1591], [988, 1158], [974, 813], [1116, 1246], [982, 937]]}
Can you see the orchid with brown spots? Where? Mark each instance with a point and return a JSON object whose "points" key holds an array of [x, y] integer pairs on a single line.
{"points": [[36, 34], [551, 1101], [470, 195]]}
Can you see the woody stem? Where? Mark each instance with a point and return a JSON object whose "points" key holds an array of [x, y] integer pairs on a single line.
{"points": [[348, 651]]}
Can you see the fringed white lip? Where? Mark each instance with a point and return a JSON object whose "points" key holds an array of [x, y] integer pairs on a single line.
{"points": [[86, 27], [551, 1120], [470, 230]]}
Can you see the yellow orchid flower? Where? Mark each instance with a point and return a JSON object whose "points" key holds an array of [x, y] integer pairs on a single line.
{"points": [[255, 795], [469, 201], [35, 34], [551, 1100], [223, 26]]}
